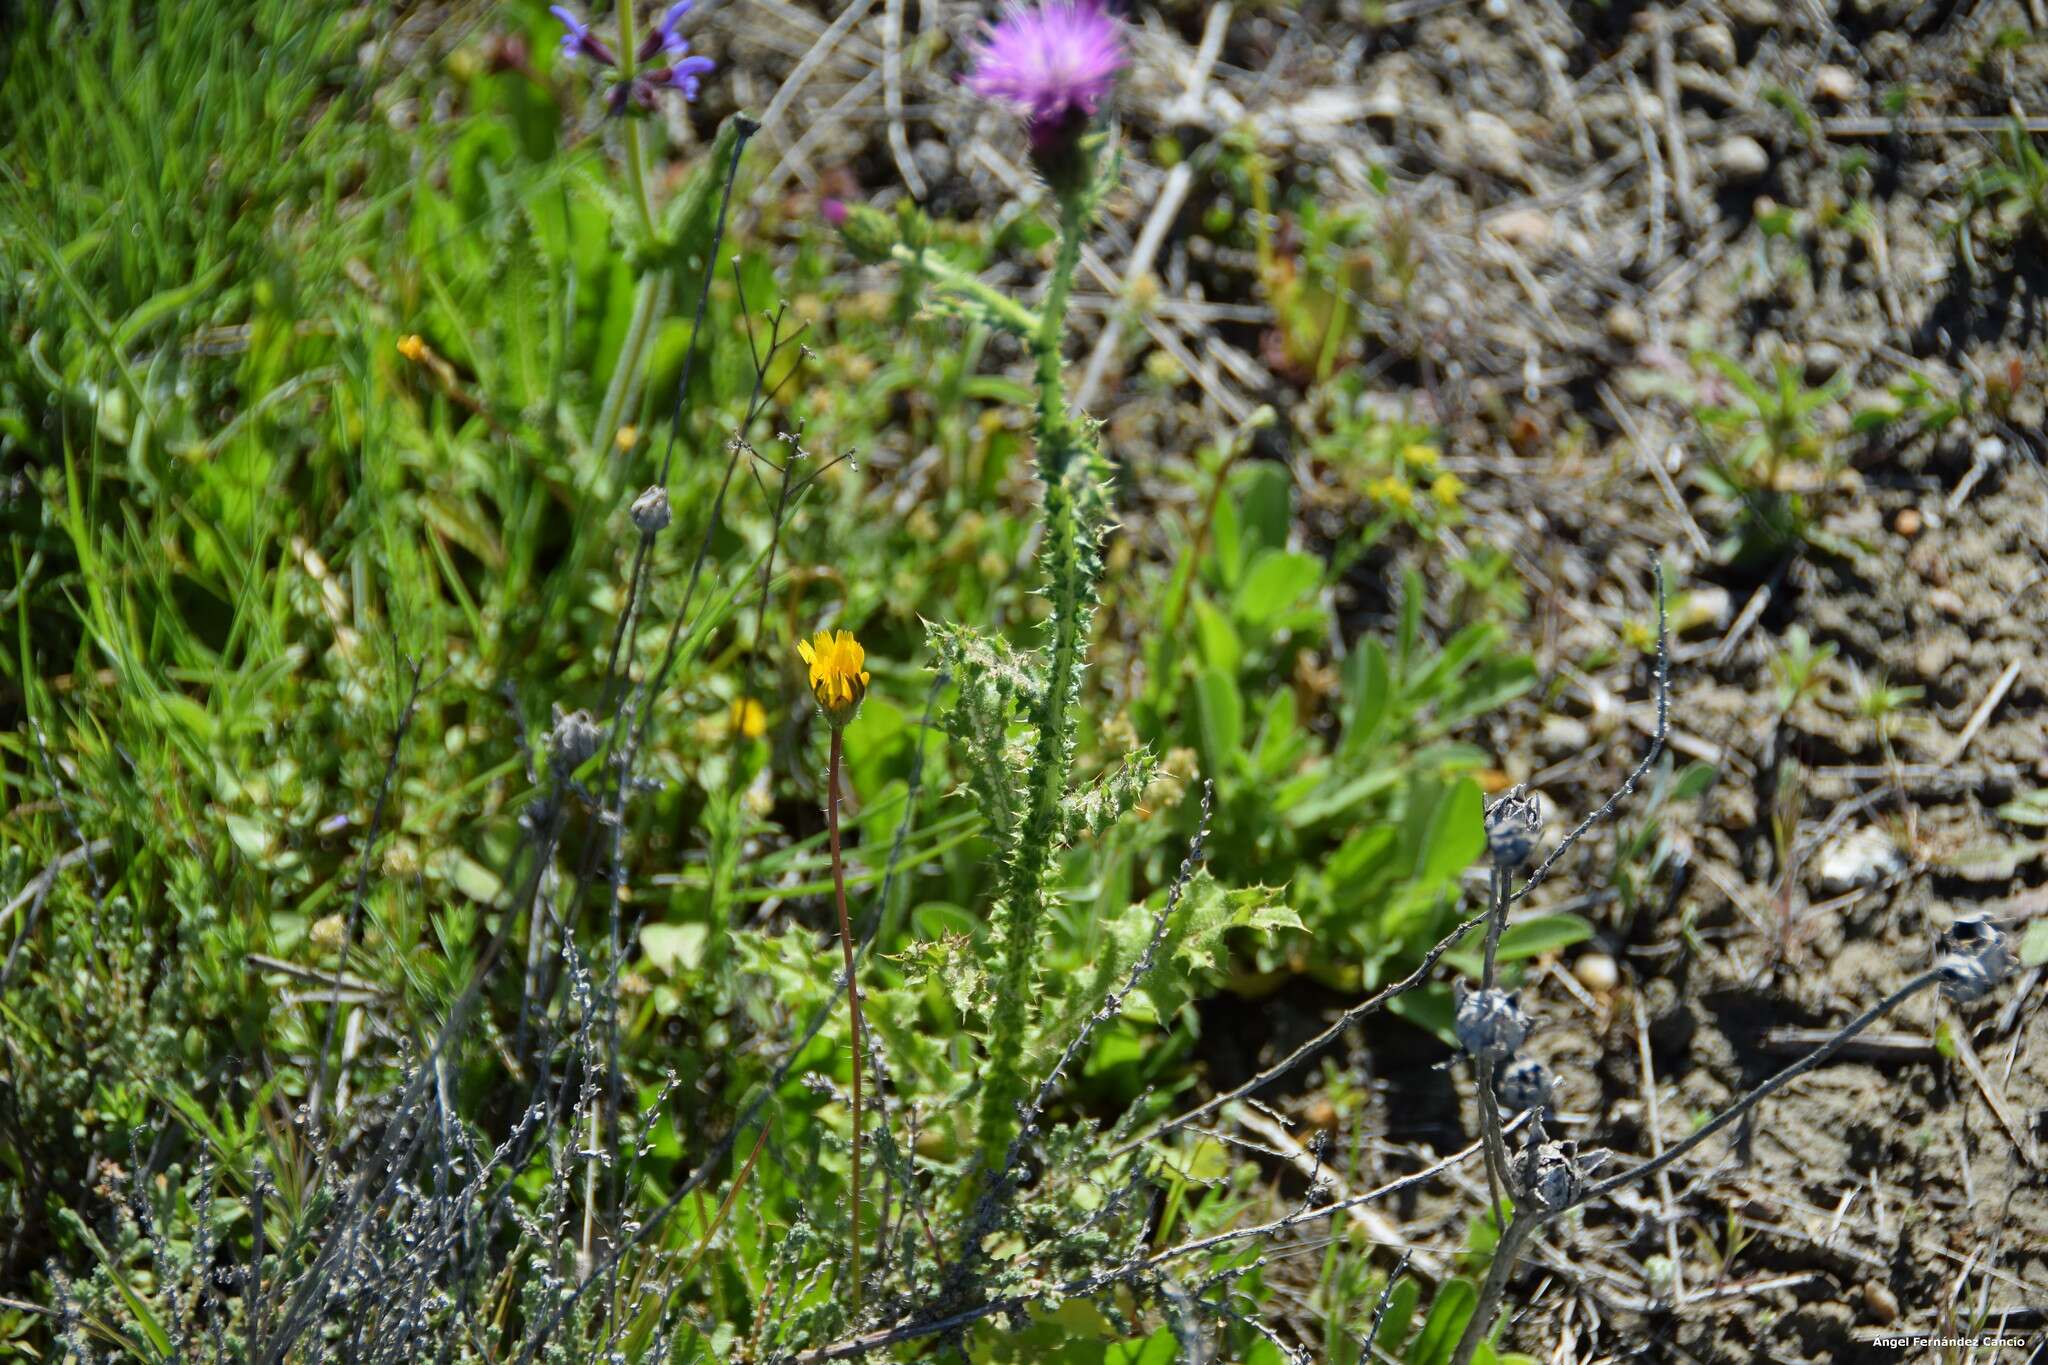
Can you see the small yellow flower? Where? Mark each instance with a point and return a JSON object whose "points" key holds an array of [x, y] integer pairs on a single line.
{"points": [[1391, 492], [413, 347], [749, 718], [628, 437], [1638, 636], [1419, 457], [838, 678], [1447, 488]]}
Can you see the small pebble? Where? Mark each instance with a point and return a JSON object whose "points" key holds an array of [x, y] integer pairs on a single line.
{"points": [[1823, 360], [1522, 228], [1880, 1303], [1837, 83], [1562, 736], [1742, 158], [1908, 522], [1711, 45], [1597, 972], [1862, 857], [1948, 602], [1625, 325]]}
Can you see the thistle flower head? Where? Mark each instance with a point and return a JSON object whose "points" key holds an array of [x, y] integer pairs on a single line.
{"points": [[1052, 62], [839, 678]]}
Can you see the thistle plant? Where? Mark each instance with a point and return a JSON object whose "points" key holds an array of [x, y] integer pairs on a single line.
{"points": [[1055, 65]]}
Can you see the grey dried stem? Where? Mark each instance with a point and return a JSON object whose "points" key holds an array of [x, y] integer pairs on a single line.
{"points": [[1552, 1175]]}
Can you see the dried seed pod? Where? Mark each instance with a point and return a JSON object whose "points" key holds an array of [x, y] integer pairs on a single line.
{"points": [[1490, 1023], [1526, 1084], [650, 510], [1974, 958], [1553, 1173], [1513, 825], [574, 738]]}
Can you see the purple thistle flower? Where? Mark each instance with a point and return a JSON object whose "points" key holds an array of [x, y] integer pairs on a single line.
{"points": [[579, 41], [1055, 62]]}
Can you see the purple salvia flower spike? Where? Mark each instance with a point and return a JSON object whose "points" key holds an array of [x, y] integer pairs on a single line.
{"points": [[663, 37], [579, 41]]}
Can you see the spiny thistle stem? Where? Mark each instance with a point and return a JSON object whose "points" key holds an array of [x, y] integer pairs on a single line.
{"points": [[852, 987], [1067, 461]]}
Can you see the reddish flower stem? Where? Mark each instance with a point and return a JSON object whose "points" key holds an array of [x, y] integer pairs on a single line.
{"points": [[852, 990]]}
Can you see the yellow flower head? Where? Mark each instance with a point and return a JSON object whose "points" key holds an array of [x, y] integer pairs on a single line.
{"points": [[838, 679], [1447, 488], [749, 718], [1419, 457], [413, 347], [1391, 492], [627, 437]]}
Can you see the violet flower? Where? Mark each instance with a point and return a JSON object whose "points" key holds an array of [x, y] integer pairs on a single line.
{"points": [[579, 41], [664, 38], [680, 72], [1055, 63]]}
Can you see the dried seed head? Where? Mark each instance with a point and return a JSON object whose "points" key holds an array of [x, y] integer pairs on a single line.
{"points": [[650, 511], [1525, 1084], [1490, 1023], [574, 738], [1553, 1173], [1512, 826], [1974, 958]]}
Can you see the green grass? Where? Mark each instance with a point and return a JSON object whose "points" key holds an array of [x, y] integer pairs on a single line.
{"points": [[244, 520]]}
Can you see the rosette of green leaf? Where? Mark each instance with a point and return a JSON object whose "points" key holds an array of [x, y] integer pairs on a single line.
{"points": [[1773, 455]]}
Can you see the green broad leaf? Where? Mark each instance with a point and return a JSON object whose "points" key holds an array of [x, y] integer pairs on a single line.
{"points": [[2031, 809], [1226, 537], [2034, 947], [1221, 649], [1448, 1315], [1277, 581], [1530, 938], [1266, 492], [467, 875], [1221, 714], [1333, 799], [1157, 1349], [1399, 1317], [1693, 781], [1457, 835], [675, 948], [1429, 1007], [1368, 691]]}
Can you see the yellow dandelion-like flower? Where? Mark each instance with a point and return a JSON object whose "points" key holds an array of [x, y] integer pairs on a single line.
{"points": [[1391, 492], [1447, 489], [1419, 456], [748, 717], [413, 347], [627, 437], [838, 678]]}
